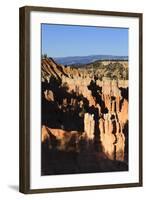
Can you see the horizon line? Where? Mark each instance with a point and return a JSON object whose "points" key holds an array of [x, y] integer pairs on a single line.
{"points": [[86, 55]]}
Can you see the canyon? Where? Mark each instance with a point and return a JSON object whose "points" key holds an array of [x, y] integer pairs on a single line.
{"points": [[84, 117]]}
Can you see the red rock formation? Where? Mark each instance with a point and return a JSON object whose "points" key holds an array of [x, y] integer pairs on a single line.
{"points": [[110, 124], [45, 135], [89, 125], [112, 138], [65, 140], [49, 95]]}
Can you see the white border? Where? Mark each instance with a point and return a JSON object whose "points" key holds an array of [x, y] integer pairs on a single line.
{"points": [[132, 176]]}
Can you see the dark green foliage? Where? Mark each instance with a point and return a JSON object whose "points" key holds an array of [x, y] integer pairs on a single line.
{"points": [[113, 70], [44, 56]]}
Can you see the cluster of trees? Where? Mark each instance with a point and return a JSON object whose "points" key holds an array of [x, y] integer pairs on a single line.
{"points": [[44, 56], [113, 71]]}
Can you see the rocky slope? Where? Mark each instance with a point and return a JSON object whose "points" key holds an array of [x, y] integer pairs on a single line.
{"points": [[85, 109]]}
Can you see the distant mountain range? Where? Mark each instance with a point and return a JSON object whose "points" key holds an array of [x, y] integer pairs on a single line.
{"points": [[73, 60]]}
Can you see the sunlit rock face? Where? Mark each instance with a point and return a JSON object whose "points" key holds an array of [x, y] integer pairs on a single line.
{"points": [[80, 108], [112, 123], [49, 95], [89, 125], [60, 139], [66, 140], [45, 136], [112, 138]]}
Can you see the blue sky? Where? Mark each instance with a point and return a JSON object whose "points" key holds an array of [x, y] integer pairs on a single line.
{"points": [[67, 40]]}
